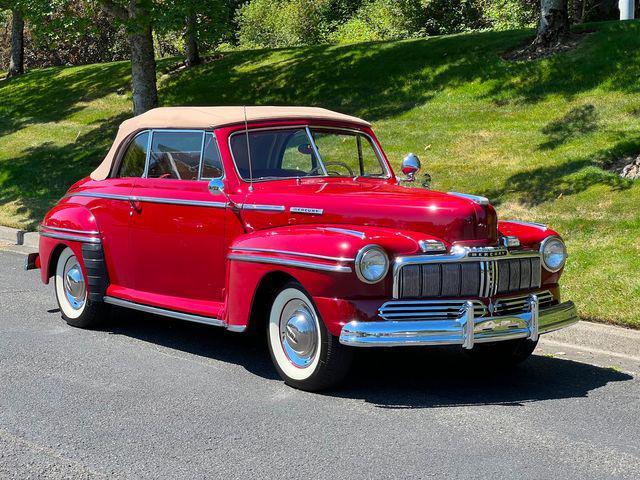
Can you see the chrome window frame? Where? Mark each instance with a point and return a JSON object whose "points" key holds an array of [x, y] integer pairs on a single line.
{"points": [[123, 151], [213, 135], [307, 128], [151, 132]]}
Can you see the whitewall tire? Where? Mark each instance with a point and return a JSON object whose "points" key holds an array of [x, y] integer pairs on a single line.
{"points": [[303, 351], [72, 294]]}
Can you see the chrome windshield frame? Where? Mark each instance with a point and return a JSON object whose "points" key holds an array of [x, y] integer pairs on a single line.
{"points": [[308, 127]]}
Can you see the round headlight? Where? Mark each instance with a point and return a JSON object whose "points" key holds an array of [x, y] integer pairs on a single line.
{"points": [[554, 253], [372, 264]]}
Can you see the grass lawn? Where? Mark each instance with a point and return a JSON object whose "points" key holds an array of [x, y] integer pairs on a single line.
{"points": [[532, 136]]}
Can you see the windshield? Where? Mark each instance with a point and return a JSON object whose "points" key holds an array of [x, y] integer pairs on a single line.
{"points": [[292, 153]]}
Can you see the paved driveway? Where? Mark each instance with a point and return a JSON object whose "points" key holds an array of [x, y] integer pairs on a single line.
{"points": [[150, 397]]}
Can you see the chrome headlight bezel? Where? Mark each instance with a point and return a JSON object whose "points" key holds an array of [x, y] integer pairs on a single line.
{"points": [[546, 243], [362, 255]]}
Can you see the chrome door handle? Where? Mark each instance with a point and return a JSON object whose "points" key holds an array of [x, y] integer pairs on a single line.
{"points": [[135, 204]]}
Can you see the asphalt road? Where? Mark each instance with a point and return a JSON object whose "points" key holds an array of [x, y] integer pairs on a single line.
{"points": [[149, 397]]}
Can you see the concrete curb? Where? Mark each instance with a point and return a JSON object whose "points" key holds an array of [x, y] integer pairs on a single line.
{"points": [[16, 236]]}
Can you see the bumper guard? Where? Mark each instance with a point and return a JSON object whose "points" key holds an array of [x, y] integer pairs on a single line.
{"points": [[464, 330]]}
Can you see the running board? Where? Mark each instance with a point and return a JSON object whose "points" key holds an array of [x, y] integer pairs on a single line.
{"points": [[216, 322]]}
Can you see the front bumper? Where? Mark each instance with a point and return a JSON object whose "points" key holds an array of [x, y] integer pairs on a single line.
{"points": [[464, 330]]}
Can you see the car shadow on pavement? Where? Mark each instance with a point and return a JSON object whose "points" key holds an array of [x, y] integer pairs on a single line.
{"points": [[388, 378]]}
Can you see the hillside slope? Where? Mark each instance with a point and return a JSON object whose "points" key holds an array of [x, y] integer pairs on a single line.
{"points": [[532, 136]]}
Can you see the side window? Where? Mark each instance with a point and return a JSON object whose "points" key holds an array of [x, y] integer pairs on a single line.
{"points": [[211, 160], [175, 155], [298, 154], [133, 161]]}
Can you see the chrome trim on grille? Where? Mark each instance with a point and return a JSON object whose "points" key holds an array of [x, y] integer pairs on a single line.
{"points": [[288, 252], [414, 309], [465, 330], [216, 322], [73, 238], [69, 230], [517, 304], [289, 263], [489, 270]]}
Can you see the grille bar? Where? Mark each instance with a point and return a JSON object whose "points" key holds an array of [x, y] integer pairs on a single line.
{"points": [[479, 278]]}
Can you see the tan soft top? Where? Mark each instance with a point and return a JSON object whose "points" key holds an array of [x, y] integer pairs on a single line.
{"points": [[211, 117]]}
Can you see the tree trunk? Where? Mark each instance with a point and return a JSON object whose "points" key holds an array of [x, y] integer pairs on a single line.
{"points": [[16, 62], [191, 41], [554, 22], [143, 60]]}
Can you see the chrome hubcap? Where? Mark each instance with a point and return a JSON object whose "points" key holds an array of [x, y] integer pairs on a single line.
{"points": [[298, 333], [74, 287]]}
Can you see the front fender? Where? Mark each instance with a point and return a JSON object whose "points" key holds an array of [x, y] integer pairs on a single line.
{"points": [[531, 235], [320, 257]]}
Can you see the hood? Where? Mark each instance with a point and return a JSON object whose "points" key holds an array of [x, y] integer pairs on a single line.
{"points": [[372, 203]]}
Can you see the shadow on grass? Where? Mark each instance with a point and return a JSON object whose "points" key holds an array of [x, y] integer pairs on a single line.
{"points": [[393, 378], [533, 187], [576, 122], [377, 80]]}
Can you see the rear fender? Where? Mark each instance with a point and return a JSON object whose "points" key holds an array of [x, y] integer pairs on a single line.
{"points": [[66, 225]]}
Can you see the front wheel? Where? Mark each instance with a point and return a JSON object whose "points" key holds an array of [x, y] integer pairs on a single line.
{"points": [[303, 351], [72, 295], [506, 353]]}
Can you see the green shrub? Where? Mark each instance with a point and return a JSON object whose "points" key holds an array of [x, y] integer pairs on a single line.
{"points": [[510, 14]]}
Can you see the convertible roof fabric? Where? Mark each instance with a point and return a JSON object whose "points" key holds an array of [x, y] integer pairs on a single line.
{"points": [[211, 117]]}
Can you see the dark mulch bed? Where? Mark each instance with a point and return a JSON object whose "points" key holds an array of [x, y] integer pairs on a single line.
{"points": [[529, 51]]}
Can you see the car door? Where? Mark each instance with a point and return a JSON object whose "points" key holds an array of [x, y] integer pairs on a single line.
{"points": [[177, 229], [113, 212]]}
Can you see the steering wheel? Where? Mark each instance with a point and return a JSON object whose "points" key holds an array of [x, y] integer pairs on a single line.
{"points": [[341, 164]]}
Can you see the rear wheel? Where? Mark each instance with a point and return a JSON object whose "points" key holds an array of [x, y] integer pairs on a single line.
{"points": [[510, 352], [303, 351], [72, 296]]}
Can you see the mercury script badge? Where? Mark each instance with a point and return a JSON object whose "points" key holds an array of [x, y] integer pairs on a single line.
{"points": [[310, 211]]}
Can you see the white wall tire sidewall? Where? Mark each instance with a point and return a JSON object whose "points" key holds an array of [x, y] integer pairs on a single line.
{"points": [[65, 306], [275, 344]]}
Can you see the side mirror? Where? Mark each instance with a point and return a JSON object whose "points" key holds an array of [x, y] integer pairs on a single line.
{"points": [[216, 185], [410, 166]]}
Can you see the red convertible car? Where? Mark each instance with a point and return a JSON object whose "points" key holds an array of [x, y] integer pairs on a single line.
{"points": [[290, 220]]}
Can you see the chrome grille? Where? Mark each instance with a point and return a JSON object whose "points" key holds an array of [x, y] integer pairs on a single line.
{"points": [[413, 309], [518, 304], [469, 278]]}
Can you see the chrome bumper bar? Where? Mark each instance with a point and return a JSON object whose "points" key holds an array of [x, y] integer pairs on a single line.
{"points": [[464, 330]]}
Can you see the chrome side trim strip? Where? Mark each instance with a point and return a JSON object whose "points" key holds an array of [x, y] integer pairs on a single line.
{"points": [[346, 231], [296, 254], [177, 201], [69, 230], [168, 201], [166, 313], [109, 196], [264, 208], [289, 263], [73, 238]]}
